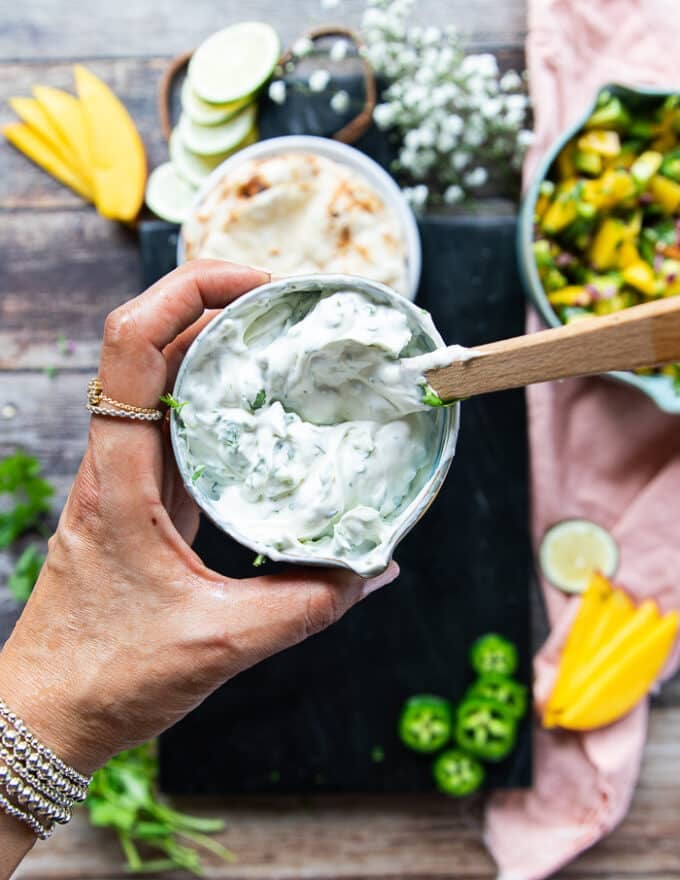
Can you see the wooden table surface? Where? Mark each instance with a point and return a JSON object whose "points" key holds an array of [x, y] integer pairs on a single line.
{"points": [[62, 268]]}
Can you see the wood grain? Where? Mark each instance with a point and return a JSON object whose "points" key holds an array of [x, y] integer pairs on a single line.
{"points": [[51, 30], [414, 838], [645, 335]]}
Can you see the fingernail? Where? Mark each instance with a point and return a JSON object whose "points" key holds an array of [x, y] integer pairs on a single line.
{"points": [[381, 580]]}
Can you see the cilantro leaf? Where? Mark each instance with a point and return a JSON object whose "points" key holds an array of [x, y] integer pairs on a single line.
{"points": [[430, 396], [22, 579], [259, 560], [29, 496], [197, 473], [260, 400], [173, 403]]}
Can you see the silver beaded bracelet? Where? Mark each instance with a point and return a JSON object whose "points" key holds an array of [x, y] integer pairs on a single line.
{"points": [[36, 786]]}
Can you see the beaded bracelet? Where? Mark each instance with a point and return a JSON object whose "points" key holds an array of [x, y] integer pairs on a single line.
{"points": [[36, 786]]}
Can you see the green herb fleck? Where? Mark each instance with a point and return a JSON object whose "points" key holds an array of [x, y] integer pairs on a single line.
{"points": [[173, 403], [50, 372], [259, 560], [22, 579], [377, 754], [260, 400], [197, 473], [430, 396]]}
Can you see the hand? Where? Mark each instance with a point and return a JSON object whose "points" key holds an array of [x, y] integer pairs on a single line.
{"points": [[127, 630]]}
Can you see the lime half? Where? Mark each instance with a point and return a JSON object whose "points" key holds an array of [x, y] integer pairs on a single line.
{"points": [[575, 548], [168, 195]]}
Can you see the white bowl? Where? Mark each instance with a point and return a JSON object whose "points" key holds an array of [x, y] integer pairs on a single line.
{"points": [[376, 176]]}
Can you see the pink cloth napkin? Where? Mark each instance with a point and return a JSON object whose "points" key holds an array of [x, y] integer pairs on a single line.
{"points": [[598, 450]]}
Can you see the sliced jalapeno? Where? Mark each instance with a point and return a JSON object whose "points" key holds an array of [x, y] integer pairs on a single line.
{"points": [[485, 728], [457, 773], [426, 723], [500, 689], [493, 653]]}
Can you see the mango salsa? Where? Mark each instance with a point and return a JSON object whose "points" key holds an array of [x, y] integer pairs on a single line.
{"points": [[607, 219]]}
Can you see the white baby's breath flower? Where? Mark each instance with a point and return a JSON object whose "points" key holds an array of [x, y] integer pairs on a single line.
{"points": [[302, 47], [510, 81], [340, 101], [416, 196], [525, 138], [491, 107], [474, 136], [318, 80], [453, 194], [383, 115], [277, 91], [339, 50], [477, 177], [459, 160], [431, 36], [516, 102]]}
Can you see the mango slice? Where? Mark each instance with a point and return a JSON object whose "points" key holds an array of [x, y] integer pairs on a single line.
{"points": [[117, 154], [66, 115], [24, 138], [30, 112], [618, 688]]}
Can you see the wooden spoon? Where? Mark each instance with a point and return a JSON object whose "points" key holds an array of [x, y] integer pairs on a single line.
{"points": [[641, 336]]}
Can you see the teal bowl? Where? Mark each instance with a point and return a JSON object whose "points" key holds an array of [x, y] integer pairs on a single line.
{"points": [[659, 388]]}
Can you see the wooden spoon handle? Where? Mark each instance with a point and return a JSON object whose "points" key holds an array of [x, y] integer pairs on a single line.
{"points": [[641, 336]]}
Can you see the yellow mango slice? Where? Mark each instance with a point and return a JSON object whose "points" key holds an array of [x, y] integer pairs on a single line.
{"points": [[117, 153], [640, 275], [24, 138], [592, 604], [621, 633], [665, 193], [572, 295], [66, 115], [604, 250], [619, 687], [604, 143], [30, 112]]}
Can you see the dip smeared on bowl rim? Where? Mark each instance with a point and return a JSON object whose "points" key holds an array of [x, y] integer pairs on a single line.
{"points": [[304, 432]]}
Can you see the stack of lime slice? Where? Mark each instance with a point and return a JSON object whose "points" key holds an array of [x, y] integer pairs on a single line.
{"points": [[219, 112]]}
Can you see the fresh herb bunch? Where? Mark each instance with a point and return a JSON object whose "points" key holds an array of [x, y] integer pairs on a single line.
{"points": [[123, 793], [458, 120], [122, 796]]}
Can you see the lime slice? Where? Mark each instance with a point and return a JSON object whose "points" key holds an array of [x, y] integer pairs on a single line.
{"points": [[194, 168], [234, 62], [209, 140], [168, 195], [209, 114], [575, 548]]}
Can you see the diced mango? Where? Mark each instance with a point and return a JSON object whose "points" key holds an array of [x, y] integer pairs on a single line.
{"points": [[116, 150], [573, 295], [614, 187], [24, 138], [565, 161], [665, 193], [604, 143], [641, 276], [628, 254], [588, 162], [561, 213], [604, 250]]}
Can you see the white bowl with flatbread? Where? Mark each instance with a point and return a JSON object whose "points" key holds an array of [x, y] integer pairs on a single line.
{"points": [[300, 204]]}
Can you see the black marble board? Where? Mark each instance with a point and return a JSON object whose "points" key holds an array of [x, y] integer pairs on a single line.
{"points": [[317, 717], [312, 718]]}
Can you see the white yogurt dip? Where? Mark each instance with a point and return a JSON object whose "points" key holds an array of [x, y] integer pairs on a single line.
{"points": [[304, 426]]}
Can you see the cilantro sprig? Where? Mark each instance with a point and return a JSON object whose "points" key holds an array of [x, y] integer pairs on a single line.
{"points": [[30, 494], [173, 403]]}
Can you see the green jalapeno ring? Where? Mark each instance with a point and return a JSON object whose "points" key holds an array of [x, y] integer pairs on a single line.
{"points": [[501, 689], [457, 773], [485, 729], [493, 653], [426, 723]]}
